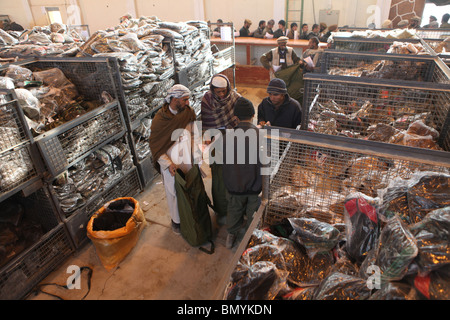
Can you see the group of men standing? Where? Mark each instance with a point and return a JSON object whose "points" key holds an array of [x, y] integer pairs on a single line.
{"points": [[237, 181]]}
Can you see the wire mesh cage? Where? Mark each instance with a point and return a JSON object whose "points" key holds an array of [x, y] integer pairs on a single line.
{"points": [[316, 172], [13, 128], [430, 33], [196, 73], [42, 243], [17, 170], [385, 66], [440, 48], [66, 144], [378, 110], [379, 45], [84, 182]]}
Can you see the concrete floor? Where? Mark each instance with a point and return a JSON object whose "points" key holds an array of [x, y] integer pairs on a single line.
{"points": [[162, 265]]}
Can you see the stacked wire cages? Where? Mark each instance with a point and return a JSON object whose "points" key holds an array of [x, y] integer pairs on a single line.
{"points": [[34, 243], [385, 66]]}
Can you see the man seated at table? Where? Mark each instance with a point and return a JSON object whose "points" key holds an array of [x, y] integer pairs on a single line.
{"points": [[245, 30]]}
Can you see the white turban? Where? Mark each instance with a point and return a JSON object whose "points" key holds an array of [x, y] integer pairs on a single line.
{"points": [[177, 91]]}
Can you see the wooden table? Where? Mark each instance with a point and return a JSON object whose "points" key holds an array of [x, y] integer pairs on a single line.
{"points": [[248, 51]]}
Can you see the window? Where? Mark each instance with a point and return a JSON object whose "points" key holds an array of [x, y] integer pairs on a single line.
{"points": [[53, 15]]}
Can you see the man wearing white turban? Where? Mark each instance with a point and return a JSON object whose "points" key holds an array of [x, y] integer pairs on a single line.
{"points": [[168, 150]]}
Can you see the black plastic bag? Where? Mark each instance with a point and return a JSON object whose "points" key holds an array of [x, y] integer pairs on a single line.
{"points": [[430, 192], [260, 281]]}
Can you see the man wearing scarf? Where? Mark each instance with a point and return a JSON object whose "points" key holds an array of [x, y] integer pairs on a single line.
{"points": [[167, 152], [217, 112]]}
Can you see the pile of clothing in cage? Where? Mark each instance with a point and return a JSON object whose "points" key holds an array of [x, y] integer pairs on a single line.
{"points": [[92, 175], [52, 40], [47, 97]]}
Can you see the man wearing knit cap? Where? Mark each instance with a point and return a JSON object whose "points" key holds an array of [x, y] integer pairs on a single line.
{"points": [[242, 170], [280, 57], [167, 152], [279, 109]]}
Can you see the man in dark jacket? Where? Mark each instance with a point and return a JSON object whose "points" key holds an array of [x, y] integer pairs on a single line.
{"points": [[245, 30], [241, 169], [279, 109]]}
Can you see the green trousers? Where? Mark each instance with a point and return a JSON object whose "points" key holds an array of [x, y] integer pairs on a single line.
{"points": [[238, 207], [218, 190]]}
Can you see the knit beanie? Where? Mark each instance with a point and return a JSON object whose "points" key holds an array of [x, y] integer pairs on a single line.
{"points": [[243, 109], [277, 85]]}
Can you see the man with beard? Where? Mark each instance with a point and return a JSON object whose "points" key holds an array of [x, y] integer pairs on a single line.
{"points": [[217, 112], [280, 58], [279, 109], [169, 154]]}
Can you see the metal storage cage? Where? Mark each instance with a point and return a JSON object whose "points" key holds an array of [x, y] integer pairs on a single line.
{"points": [[316, 171], [48, 246], [385, 66], [87, 179], [379, 45], [339, 105], [91, 76], [144, 163], [429, 33], [224, 54], [434, 44], [20, 168], [314, 174], [65, 145]]}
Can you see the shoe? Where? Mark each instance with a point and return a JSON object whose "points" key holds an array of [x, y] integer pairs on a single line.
{"points": [[176, 228], [230, 240]]}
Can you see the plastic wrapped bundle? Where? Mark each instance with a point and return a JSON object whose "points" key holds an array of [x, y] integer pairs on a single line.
{"points": [[395, 250], [361, 218], [428, 192], [315, 236], [393, 291], [433, 240], [435, 285], [339, 286], [260, 281], [287, 256]]}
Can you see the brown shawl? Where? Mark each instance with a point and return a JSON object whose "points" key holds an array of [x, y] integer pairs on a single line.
{"points": [[164, 123]]}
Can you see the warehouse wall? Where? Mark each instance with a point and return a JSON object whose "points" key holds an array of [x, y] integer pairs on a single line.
{"points": [[237, 11], [351, 12], [101, 14]]}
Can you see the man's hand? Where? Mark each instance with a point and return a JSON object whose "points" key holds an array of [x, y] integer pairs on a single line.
{"points": [[172, 169]]}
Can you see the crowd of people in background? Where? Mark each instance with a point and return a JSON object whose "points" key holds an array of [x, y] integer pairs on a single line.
{"points": [[266, 29]]}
